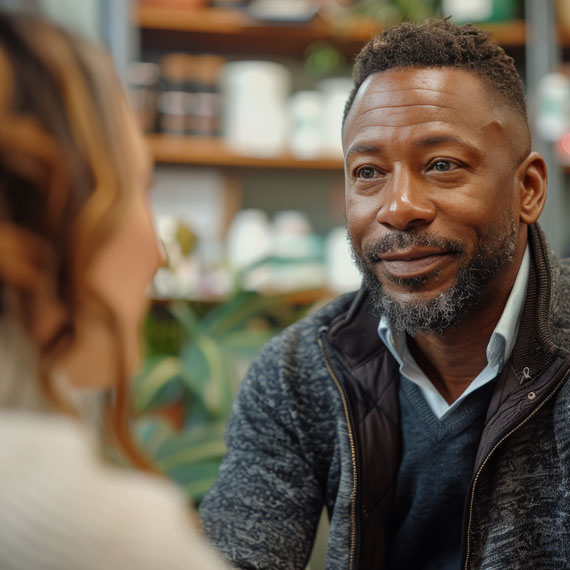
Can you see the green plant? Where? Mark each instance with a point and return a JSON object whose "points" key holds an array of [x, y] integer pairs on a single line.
{"points": [[196, 356], [323, 59], [389, 12]]}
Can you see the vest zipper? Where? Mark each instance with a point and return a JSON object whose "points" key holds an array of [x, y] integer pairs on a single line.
{"points": [[351, 439], [488, 456]]}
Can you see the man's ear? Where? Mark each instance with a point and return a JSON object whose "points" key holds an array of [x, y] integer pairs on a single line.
{"points": [[532, 187]]}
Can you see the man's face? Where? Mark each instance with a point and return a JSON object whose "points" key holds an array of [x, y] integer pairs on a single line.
{"points": [[430, 194]]}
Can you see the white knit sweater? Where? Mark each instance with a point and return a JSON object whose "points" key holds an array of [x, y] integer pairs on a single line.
{"points": [[63, 508]]}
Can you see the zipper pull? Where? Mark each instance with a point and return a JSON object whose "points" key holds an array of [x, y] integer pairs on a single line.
{"points": [[525, 375]]}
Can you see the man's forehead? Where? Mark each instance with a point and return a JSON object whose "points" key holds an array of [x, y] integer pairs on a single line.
{"points": [[447, 87], [408, 97], [429, 78]]}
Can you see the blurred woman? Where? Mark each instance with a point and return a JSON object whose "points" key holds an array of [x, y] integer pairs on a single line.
{"points": [[77, 253]]}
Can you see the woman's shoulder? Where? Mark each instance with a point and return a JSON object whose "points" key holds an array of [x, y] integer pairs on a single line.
{"points": [[61, 505]]}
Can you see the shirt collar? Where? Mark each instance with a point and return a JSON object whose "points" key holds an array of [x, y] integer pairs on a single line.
{"points": [[499, 348], [505, 333]]}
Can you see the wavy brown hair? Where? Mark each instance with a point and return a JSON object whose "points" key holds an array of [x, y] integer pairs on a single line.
{"points": [[62, 193]]}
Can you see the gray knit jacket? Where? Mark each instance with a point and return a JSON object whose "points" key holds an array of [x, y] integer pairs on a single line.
{"points": [[315, 424]]}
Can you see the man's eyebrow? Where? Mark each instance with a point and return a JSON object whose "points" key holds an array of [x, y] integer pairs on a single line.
{"points": [[362, 149], [425, 142], [442, 139]]}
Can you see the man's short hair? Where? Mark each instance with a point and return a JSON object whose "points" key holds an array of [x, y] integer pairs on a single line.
{"points": [[439, 43]]}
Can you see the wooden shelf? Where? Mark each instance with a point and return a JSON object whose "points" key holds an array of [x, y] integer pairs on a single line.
{"points": [[300, 297], [170, 149], [217, 30], [510, 34], [235, 31], [221, 21]]}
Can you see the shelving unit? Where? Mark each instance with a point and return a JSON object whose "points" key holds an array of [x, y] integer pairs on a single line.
{"points": [[238, 23], [234, 31]]}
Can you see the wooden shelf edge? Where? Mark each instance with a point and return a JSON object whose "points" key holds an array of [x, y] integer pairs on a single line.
{"points": [[171, 149], [234, 22], [222, 21], [510, 34], [293, 297], [213, 20]]}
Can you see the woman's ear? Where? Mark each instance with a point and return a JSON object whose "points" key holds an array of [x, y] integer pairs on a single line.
{"points": [[533, 179]]}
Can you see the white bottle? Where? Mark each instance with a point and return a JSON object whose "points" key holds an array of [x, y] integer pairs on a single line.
{"points": [[255, 107], [335, 94], [249, 238], [305, 124], [553, 106], [342, 273], [467, 10]]}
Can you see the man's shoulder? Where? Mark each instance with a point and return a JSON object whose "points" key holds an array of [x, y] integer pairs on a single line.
{"points": [[325, 315], [295, 351]]}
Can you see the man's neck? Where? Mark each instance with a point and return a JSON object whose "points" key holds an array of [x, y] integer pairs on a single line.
{"points": [[452, 360]]}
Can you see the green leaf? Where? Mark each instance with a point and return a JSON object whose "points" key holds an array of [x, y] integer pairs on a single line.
{"points": [[195, 367], [197, 478], [236, 313], [214, 346], [185, 455], [152, 433], [191, 458], [157, 373], [322, 58], [183, 313]]}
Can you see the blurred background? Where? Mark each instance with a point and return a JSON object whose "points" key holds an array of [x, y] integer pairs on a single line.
{"points": [[241, 102]]}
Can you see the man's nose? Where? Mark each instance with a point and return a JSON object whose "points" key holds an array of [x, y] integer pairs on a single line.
{"points": [[406, 202]]}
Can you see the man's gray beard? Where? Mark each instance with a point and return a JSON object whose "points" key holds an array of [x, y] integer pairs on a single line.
{"points": [[496, 248]]}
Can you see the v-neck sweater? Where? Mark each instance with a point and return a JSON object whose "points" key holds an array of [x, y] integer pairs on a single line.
{"points": [[437, 462]]}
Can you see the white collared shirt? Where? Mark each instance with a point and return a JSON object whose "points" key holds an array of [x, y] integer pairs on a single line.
{"points": [[498, 351]]}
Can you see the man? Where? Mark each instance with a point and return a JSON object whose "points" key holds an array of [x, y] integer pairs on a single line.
{"points": [[429, 412]]}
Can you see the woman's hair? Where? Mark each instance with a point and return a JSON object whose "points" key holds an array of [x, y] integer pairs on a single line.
{"points": [[62, 192]]}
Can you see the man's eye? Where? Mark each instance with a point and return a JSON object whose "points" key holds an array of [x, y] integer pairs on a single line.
{"points": [[366, 173], [442, 165]]}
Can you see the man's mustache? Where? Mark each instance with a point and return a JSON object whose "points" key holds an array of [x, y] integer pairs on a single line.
{"points": [[401, 240]]}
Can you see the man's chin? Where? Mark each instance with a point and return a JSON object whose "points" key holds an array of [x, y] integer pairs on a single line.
{"points": [[415, 293], [420, 315], [420, 306]]}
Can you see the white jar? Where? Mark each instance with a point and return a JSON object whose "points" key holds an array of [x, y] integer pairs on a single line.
{"points": [[249, 238], [342, 273], [553, 106], [467, 10], [255, 107], [335, 94], [306, 124]]}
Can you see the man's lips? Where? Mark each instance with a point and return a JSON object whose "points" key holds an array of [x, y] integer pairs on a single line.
{"points": [[414, 262]]}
